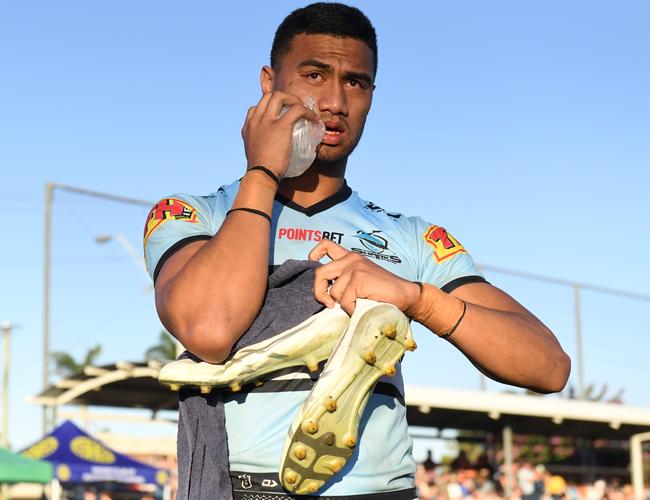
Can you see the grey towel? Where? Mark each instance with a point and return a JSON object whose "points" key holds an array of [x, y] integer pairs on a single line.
{"points": [[203, 466]]}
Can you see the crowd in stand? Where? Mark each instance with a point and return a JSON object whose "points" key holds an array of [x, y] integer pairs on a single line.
{"points": [[460, 480]]}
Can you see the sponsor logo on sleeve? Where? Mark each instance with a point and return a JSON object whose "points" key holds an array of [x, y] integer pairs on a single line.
{"points": [[168, 209], [444, 244]]}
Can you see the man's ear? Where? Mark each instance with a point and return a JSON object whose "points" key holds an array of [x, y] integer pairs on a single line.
{"points": [[267, 77]]}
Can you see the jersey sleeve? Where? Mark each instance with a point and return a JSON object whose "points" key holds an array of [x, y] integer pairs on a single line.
{"points": [[444, 261], [174, 222]]}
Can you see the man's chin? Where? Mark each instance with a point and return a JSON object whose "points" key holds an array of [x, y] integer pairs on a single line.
{"points": [[332, 154]]}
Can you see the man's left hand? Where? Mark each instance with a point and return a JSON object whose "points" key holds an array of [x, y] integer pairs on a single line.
{"points": [[355, 276]]}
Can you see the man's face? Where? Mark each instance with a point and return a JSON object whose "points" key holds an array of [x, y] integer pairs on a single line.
{"points": [[338, 73]]}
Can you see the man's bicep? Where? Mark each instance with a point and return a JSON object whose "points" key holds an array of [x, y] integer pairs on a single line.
{"points": [[487, 295], [172, 266], [491, 297]]}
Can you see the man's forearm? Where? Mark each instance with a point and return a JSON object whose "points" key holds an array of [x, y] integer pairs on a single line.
{"points": [[498, 335], [511, 348], [214, 295]]}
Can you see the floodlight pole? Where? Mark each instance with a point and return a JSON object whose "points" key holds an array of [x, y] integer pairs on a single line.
{"points": [[506, 436], [49, 193], [577, 287], [49, 197], [581, 374], [126, 245], [6, 332]]}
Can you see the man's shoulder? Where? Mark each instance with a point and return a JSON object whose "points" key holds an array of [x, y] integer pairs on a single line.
{"points": [[170, 216], [386, 216], [210, 200], [407, 228]]}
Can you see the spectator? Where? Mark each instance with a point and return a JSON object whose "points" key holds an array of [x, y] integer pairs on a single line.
{"points": [[556, 487]]}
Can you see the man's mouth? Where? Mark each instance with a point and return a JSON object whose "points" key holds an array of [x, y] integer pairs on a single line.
{"points": [[333, 134]]}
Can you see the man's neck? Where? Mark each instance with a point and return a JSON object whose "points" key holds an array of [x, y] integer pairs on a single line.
{"points": [[319, 182]]}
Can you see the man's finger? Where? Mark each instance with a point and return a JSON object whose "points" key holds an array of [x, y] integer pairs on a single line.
{"points": [[337, 290], [295, 113], [263, 104], [281, 99], [321, 286], [323, 278], [249, 113], [348, 299], [329, 248]]}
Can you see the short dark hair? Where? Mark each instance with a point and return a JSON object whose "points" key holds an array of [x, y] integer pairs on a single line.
{"points": [[324, 18]]}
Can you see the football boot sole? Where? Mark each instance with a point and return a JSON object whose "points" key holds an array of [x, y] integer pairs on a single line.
{"points": [[323, 434]]}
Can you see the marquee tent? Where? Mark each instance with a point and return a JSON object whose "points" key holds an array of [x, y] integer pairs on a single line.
{"points": [[77, 457], [17, 469]]}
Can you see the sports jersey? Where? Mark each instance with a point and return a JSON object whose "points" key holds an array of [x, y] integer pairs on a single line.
{"points": [[257, 420]]}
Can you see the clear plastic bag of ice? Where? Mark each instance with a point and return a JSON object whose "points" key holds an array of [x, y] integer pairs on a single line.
{"points": [[306, 136]]}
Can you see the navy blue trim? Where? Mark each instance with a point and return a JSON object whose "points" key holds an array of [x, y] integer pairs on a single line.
{"points": [[305, 385], [339, 197], [175, 248], [453, 284]]}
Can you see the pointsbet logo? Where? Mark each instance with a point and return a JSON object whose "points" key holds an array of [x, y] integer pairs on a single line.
{"points": [[302, 234]]}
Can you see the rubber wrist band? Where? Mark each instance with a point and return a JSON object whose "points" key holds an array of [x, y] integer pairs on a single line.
{"points": [[267, 171], [252, 211], [453, 328], [421, 287]]}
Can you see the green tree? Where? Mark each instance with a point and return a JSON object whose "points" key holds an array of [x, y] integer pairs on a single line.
{"points": [[66, 365], [164, 350]]}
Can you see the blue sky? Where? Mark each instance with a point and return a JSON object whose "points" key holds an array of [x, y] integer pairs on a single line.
{"points": [[522, 127]]}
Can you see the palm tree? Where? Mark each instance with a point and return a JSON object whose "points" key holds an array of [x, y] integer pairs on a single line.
{"points": [[66, 365], [590, 394], [164, 351]]}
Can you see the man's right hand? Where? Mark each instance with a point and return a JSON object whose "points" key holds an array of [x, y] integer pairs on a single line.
{"points": [[267, 136]]}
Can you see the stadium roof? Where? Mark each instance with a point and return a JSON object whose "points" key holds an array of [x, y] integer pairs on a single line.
{"points": [[135, 385], [120, 385], [525, 414]]}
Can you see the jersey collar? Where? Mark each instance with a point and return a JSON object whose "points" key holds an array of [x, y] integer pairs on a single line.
{"points": [[339, 197]]}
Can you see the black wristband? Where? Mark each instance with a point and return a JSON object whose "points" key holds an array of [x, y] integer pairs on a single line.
{"points": [[453, 328], [252, 211], [267, 171]]}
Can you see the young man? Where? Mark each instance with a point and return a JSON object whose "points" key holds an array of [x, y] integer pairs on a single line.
{"points": [[210, 259]]}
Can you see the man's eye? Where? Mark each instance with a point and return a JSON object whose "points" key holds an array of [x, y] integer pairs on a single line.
{"points": [[313, 76], [357, 84]]}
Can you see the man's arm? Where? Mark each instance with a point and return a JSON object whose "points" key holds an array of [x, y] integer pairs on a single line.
{"points": [[209, 292], [497, 334], [507, 342]]}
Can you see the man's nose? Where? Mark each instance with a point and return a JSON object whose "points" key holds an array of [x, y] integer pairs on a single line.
{"points": [[333, 99]]}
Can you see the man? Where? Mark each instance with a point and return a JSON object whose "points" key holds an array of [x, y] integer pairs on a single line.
{"points": [[210, 259]]}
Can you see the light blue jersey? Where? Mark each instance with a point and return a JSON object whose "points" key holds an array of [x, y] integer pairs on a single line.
{"points": [[257, 421]]}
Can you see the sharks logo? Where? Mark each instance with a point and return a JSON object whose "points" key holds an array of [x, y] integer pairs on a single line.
{"points": [[372, 241], [376, 246]]}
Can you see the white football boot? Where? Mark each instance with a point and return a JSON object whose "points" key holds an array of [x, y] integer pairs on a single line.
{"points": [[308, 343], [323, 434]]}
